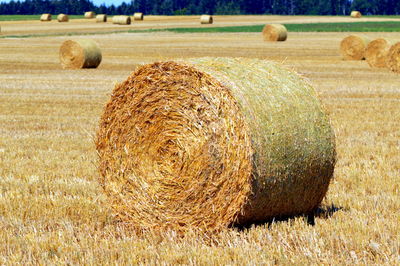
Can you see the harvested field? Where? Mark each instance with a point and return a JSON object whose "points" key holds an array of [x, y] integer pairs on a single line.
{"points": [[52, 210]]}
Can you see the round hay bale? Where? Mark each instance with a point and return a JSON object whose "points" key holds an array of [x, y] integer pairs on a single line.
{"points": [[376, 52], [101, 18], [90, 14], [45, 17], [353, 47], [355, 14], [138, 16], [80, 54], [213, 142], [62, 18], [393, 58], [206, 19], [274, 33], [121, 20]]}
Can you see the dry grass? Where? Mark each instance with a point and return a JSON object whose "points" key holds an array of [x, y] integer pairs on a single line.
{"points": [[53, 211]]}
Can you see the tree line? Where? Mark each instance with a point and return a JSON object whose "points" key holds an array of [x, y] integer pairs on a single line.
{"points": [[192, 7]]}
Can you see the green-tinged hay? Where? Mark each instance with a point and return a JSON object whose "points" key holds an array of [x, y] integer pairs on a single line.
{"points": [[274, 33], [62, 18], [101, 18], [376, 53], [353, 47], [355, 14], [80, 54], [138, 16], [45, 17], [121, 20], [90, 14], [206, 19], [213, 142], [393, 58]]}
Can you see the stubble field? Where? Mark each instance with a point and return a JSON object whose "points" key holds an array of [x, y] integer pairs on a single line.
{"points": [[53, 211]]}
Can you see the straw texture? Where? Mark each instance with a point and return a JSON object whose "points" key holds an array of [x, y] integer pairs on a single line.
{"points": [[80, 54], [45, 17], [62, 18], [376, 53], [121, 20], [206, 19], [101, 18], [274, 33], [393, 58], [355, 14], [213, 142], [90, 14], [138, 16], [353, 47]]}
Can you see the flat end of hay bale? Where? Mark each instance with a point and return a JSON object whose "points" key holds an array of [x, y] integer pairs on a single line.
{"points": [[78, 54], [353, 47], [274, 33], [206, 19], [376, 53]]}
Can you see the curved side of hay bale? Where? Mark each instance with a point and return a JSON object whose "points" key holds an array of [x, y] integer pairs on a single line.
{"points": [[355, 14], [62, 18], [274, 32], [121, 20], [206, 19], [393, 58], [80, 54], [45, 17], [376, 52], [138, 16], [213, 142], [90, 14], [353, 47], [101, 18]]}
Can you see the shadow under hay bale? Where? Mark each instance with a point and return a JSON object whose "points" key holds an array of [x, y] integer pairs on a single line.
{"points": [[213, 142], [353, 47], [274, 33], [80, 54]]}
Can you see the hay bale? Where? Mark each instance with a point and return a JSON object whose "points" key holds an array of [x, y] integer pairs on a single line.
{"points": [[90, 14], [206, 19], [62, 18], [213, 142], [393, 58], [45, 17], [355, 14], [138, 16], [274, 33], [353, 47], [80, 54], [121, 20], [101, 18], [376, 52]]}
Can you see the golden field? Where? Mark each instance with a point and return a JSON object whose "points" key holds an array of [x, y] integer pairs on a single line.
{"points": [[52, 210]]}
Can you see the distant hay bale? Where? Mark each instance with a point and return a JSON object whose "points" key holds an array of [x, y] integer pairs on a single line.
{"points": [[121, 20], [376, 52], [393, 58], [101, 18], [206, 19], [90, 14], [138, 16], [80, 54], [213, 142], [45, 17], [274, 33], [62, 18], [353, 47], [355, 14]]}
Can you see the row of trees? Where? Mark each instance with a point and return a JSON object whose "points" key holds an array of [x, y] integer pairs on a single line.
{"points": [[189, 7]]}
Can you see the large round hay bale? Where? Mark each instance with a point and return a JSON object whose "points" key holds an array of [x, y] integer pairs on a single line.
{"points": [[80, 54], [274, 33], [393, 58], [355, 14], [213, 142], [90, 14], [45, 17], [121, 20], [138, 16], [62, 18], [376, 52], [206, 19], [101, 18], [353, 47]]}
